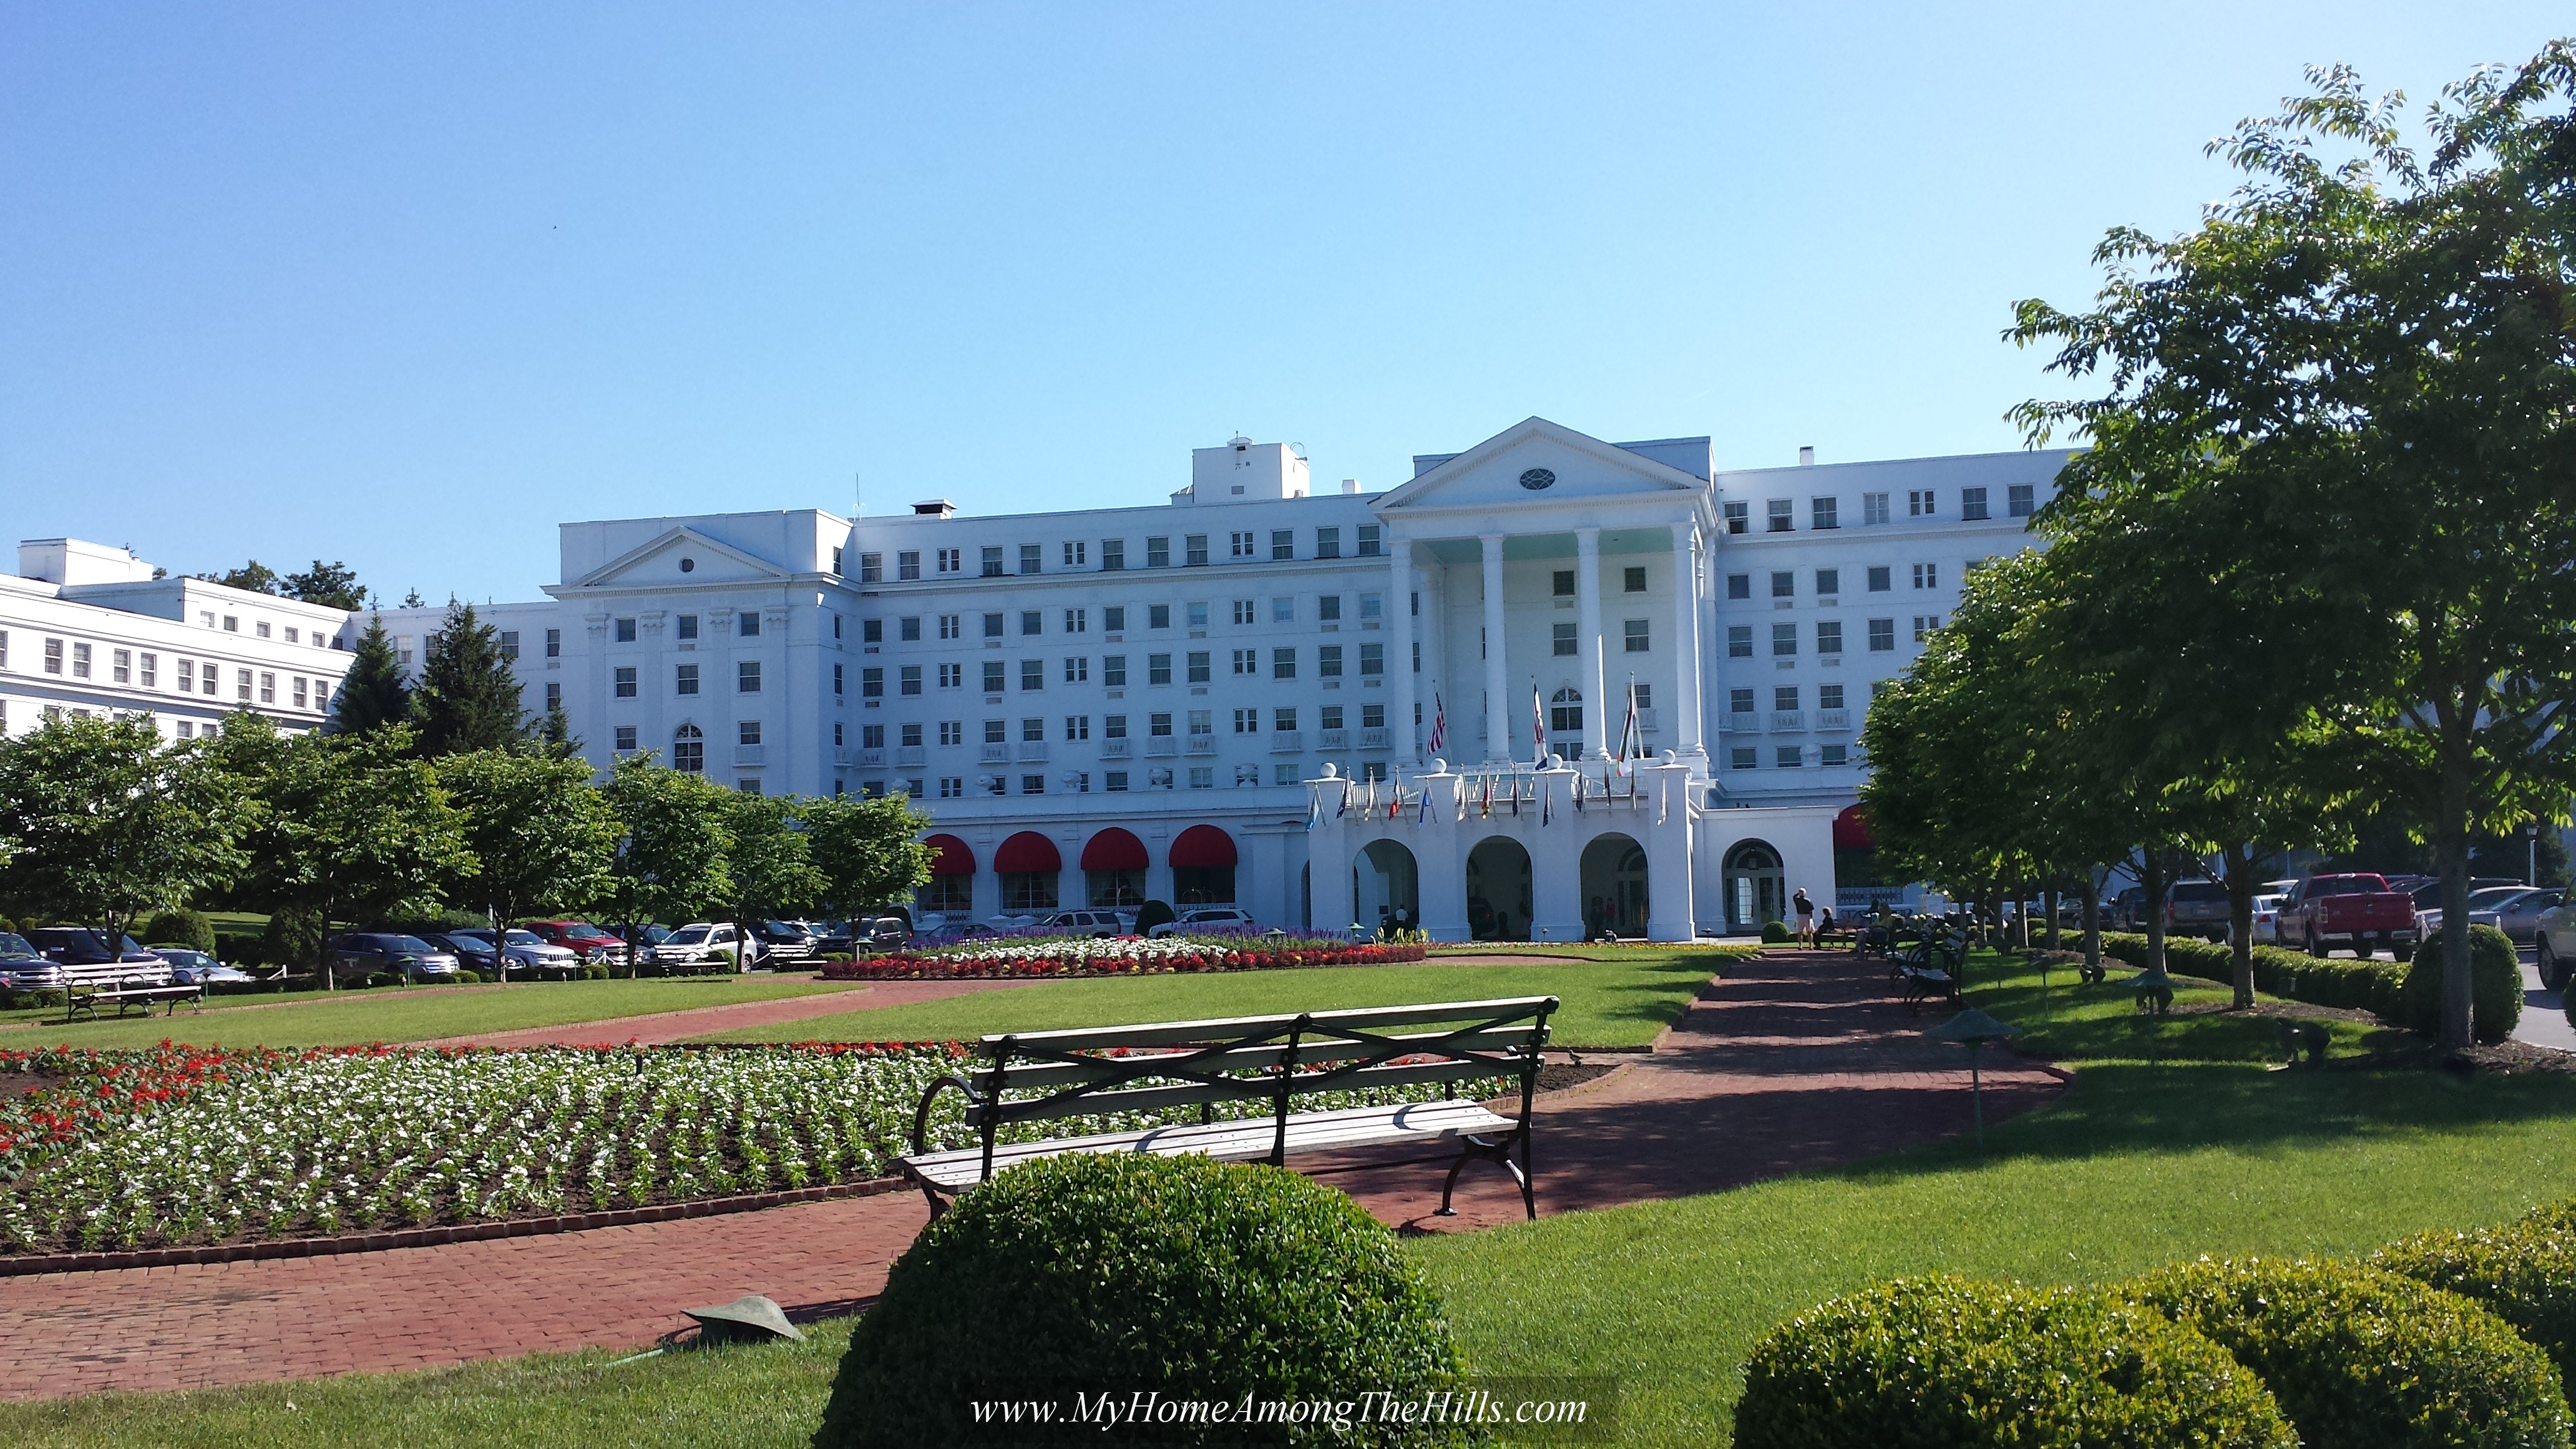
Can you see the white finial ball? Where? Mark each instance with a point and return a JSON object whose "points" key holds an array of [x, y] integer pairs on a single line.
{"points": [[1668, 757], [1439, 766], [1330, 770]]}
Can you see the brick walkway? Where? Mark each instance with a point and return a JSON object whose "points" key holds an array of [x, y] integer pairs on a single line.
{"points": [[1792, 1062]]}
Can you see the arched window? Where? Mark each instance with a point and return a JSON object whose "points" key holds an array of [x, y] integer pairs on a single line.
{"points": [[689, 750], [1565, 713]]}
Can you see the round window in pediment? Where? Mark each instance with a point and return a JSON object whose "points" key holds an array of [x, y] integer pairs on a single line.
{"points": [[1537, 478], [688, 565]]}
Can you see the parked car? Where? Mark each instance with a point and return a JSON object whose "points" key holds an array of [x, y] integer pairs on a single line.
{"points": [[1204, 918], [701, 943], [2127, 910], [192, 967], [22, 967], [2197, 908], [1100, 924], [76, 946], [2514, 910], [579, 937], [361, 954], [2554, 933], [529, 955], [2354, 910], [785, 941]]}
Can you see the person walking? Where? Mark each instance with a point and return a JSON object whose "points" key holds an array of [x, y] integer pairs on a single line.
{"points": [[1806, 917]]}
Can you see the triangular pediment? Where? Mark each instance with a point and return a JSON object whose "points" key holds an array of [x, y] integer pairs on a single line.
{"points": [[1536, 462], [681, 556]]}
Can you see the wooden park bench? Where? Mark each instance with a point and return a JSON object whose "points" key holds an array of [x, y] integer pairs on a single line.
{"points": [[87, 988], [1050, 1075]]}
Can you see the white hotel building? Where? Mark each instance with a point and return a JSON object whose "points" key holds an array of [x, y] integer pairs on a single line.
{"points": [[1110, 705]]}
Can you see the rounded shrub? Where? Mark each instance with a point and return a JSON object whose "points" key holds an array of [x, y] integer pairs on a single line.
{"points": [[2523, 1272], [594, 970], [293, 939], [2495, 986], [1947, 1363], [2367, 1359], [181, 928], [1152, 914], [1194, 1279], [1776, 933], [468, 976]]}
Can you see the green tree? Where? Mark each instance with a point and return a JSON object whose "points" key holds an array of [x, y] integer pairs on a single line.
{"points": [[333, 585], [672, 845], [542, 837], [467, 697], [372, 694], [771, 863], [110, 823], [255, 576], [2376, 344], [868, 851], [354, 827]]}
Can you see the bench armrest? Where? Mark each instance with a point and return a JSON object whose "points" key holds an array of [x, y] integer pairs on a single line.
{"points": [[921, 1114]]}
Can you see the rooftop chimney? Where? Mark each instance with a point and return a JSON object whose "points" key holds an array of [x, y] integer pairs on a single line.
{"points": [[1350, 485], [1806, 457], [935, 508]]}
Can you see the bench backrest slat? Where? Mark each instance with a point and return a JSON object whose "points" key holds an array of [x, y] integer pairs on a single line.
{"points": [[1051, 1076], [1177, 1033], [1154, 1099]]}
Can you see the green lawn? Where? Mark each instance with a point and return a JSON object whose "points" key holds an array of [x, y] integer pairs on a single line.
{"points": [[417, 1013], [2161, 1149], [1622, 1001]]}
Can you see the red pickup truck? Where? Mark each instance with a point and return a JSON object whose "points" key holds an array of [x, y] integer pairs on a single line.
{"points": [[2358, 911]]}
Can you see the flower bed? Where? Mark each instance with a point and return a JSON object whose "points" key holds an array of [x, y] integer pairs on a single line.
{"points": [[182, 1146], [1130, 956]]}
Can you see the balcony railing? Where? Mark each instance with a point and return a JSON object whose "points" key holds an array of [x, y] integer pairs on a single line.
{"points": [[1373, 739], [1162, 745], [910, 754], [1784, 721], [1032, 751], [750, 754], [1113, 749], [1202, 744], [872, 759], [1287, 742], [995, 752], [1741, 722], [1332, 739], [1833, 719]]}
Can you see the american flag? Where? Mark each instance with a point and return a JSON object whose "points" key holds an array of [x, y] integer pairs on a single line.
{"points": [[1538, 724], [1439, 724], [1628, 728]]}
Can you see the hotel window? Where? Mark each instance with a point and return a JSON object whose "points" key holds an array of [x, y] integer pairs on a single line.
{"points": [[1924, 624], [1741, 757], [1561, 640], [1784, 583], [1739, 641], [1927, 576], [2017, 500], [836, 561], [952, 732], [992, 560], [994, 670], [1202, 722], [81, 660], [1328, 662], [1328, 608], [908, 629], [1882, 635], [1158, 669], [1779, 515], [1076, 553], [1972, 503], [871, 568], [1283, 610], [1113, 555], [952, 676], [1194, 550], [1880, 579], [1284, 719], [625, 631], [1158, 616], [295, 635], [872, 631], [1637, 640], [1032, 558], [1829, 696], [689, 749], [1560, 583], [624, 681], [1113, 671], [949, 627], [1734, 517], [267, 687], [1789, 757], [1918, 503], [1238, 543], [509, 643], [1328, 543], [1371, 540], [685, 679], [187, 676], [554, 639], [232, 624], [1632, 579], [1113, 727], [1032, 674], [1283, 544], [1032, 621], [747, 732], [909, 682], [952, 787], [1159, 725], [748, 623], [625, 739], [261, 628], [1829, 582], [1372, 606], [686, 627], [1198, 666], [1242, 612], [302, 693], [1372, 660], [151, 678], [1829, 636], [951, 561], [907, 564], [1784, 639], [1739, 700], [992, 626], [206, 675], [1077, 727], [1824, 513], [241, 685], [1248, 721], [1833, 755], [1739, 586], [746, 677], [1077, 621], [1202, 777], [1077, 670], [121, 666], [1158, 553], [554, 694], [1873, 508], [1247, 661]]}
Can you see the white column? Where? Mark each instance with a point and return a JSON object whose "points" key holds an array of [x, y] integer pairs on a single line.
{"points": [[1498, 704], [1399, 604], [1556, 863], [1686, 708], [1664, 824], [1328, 858], [1440, 859], [1591, 667]]}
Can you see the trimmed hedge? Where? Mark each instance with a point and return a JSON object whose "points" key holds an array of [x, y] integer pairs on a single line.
{"points": [[2334, 981], [2495, 986], [1947, 1363], [1776, 933], [181, 928], [1201, 1280], [2360, 1358], [2523, 1272]]}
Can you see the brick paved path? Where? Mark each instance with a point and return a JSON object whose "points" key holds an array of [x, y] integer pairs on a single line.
{"points": [[1792, 1062]]}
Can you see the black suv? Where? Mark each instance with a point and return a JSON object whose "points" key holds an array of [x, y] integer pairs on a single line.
{"points": [[75, 946]]}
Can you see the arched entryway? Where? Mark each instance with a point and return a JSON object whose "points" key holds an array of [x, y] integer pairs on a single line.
{"points": [[1498, 891], [1113, 870], [1203, 867], [1614, 886], [951, 887], [1386, 890], [1029, 867], [1756, 893]]}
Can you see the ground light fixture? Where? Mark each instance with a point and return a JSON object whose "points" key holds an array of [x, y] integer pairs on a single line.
{"points": [[1973, 1029], [748, 1319]]}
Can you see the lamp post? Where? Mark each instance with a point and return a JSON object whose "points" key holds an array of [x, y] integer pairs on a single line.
{"points": [[1973, 1029], [2531, 853]]}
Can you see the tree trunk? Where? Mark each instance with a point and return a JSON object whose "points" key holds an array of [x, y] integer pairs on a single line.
{"points": [[2241, 859], [2092, 924], [2056, 940], [2451, 856], [2151, 903]]}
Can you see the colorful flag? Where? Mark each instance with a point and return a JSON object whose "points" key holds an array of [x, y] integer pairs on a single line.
{"points": [[1344, 808], [1538, 726], [1314, 806], [1628, 730], [1439, 724], [1487, 804], [1422, 816]]}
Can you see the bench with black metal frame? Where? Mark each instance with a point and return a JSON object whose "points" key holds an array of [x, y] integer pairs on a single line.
{"points": [[85, 999], [1155, 1066], [1929, 972]]}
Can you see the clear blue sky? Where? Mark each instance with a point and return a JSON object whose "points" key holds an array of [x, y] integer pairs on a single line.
{"points": [[407, 286]]}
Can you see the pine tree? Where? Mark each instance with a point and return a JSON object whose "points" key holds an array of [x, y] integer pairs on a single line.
{"points": [[467, 698], [555, 733], [333, 585], [372, 693]]}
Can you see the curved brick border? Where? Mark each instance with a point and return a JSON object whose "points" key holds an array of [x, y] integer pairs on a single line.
{"points": [[705, 1207]]}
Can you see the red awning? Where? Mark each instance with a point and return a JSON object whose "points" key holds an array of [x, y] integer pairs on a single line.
{"points": [[950, 855], [1202, 845], [1027, 852], [1851, 829], [1113, 849]]}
